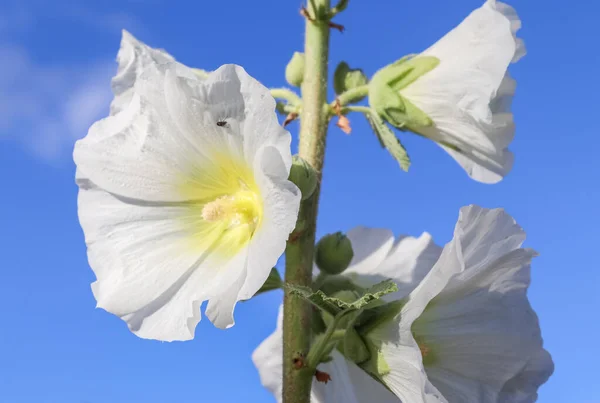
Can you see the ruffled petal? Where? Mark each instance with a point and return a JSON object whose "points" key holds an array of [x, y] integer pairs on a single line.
{"points": [[468, 327], [522, 388], [370, 246], [281, 204], [462, 94], [147, 272], [133, 57]]}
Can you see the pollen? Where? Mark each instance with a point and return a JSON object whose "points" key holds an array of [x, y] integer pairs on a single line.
{"points": [[216, 209], [240, 208], [228, 205]]}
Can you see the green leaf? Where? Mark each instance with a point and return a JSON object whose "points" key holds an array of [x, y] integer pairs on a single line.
{"points": [[388, 140], [334, 306], [273, 282], [317, 298]]}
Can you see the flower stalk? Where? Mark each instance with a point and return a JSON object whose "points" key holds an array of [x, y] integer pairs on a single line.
{"points": [[300, 250]]}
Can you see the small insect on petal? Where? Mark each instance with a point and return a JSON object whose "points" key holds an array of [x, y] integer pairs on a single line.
{"points": [[322, 377]]}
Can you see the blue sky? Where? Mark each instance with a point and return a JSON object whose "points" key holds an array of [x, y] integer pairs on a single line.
{"points": [[56, 62]]}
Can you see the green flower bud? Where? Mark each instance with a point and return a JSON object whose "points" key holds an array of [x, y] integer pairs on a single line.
{"points": [[294, 71], [345, 78], [304, 176], [334, 253]]}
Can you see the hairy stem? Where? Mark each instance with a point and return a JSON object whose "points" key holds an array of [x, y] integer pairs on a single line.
{"points": [[299, 253]]}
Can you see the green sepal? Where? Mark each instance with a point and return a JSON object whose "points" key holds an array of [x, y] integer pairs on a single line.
{"points": [[394, 108], [411, 70], [346, 78], [353, 346], [376, 366], [294, 71], [375, 317], [339, 7], [273, 282], [303, 175], [406, 71], [333, 305], [389, 141], [410, 117]]}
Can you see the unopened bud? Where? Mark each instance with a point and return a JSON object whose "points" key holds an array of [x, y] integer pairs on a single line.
{"points": [[304, 176], [334, 253], [294, 71], [345, 78]]}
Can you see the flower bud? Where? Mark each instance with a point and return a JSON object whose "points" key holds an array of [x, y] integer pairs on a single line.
{"points": [[294, 71], [345, 78], [304, 176], [333, 253]]}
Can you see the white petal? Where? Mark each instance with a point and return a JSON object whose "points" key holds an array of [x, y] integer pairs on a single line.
{"points": [[460, 95], [482, 329], [471, 311], [268, 359], [132, 58], [377, 257], [370, 246], [147, 274], [281, 204], [522, 388]]}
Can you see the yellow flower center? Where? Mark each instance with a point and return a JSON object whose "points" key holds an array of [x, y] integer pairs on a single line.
{"points": [[227, 207]]}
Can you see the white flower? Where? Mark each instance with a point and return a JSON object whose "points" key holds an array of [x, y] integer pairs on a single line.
{"points": [[377, 256], [184, 198], [467, 330], [465, 334], [468, 94]]}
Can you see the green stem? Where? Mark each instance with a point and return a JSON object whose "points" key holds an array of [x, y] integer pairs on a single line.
{"points": [[353, 95], [284, 93], [316, 351], [300, 248]]}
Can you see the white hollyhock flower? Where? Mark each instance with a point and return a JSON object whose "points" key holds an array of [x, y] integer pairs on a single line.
{"points": [[377, 256], [465, 334], [468, 94], [184, 198]]}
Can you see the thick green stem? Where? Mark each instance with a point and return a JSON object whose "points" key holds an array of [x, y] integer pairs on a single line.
{"points": [[300, 249]]}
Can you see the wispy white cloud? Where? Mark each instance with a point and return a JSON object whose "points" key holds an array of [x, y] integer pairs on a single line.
{"points": [[47, 106]]}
